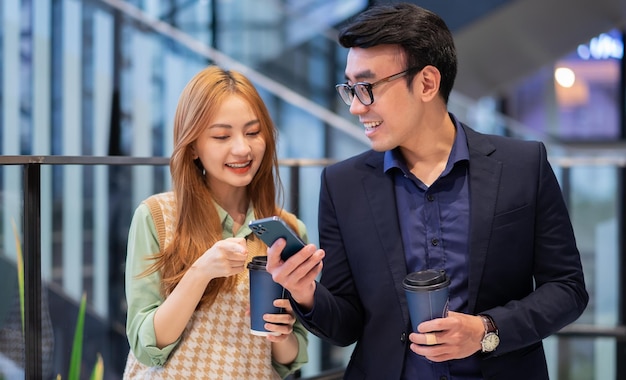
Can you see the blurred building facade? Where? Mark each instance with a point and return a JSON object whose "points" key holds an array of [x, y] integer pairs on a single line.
{"points": [[102, 78]]}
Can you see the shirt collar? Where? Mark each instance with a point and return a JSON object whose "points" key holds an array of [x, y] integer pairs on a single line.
{"points": [[227, 222], [394, 159]]}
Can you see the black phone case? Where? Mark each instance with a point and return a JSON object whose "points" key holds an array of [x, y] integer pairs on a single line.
{"points": [[273, 228]]}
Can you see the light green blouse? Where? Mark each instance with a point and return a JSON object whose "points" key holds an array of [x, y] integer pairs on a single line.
{"points": [[142, 242]]}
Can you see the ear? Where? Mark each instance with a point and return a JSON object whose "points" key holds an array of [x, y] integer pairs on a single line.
{"points": [[194, 153], [430, 80]]}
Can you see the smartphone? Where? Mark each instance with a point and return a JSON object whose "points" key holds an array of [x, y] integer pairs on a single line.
{"points": [[273, 228]]}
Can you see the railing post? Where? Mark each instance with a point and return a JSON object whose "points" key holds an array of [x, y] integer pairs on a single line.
{"points": [[294, 188], [620, 350], [32, 271], [566, 186]]}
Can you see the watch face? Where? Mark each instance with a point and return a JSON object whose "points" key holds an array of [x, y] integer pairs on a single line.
{"points": [[490, 342]]}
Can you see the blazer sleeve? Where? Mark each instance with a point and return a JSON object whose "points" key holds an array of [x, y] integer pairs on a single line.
{"points": [[532, 284], [343, 304]]}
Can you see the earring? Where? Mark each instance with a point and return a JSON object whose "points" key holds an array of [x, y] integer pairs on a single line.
{"points": [[200, 166]]}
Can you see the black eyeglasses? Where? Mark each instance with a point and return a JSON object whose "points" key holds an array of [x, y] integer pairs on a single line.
{"points": [[363, 90]]}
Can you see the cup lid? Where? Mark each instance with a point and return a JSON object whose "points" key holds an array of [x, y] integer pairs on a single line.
{"points": [[429, 279], [258, 263]]}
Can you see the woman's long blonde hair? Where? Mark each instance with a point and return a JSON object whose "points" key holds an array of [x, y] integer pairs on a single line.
{"points": [[197, 222]]}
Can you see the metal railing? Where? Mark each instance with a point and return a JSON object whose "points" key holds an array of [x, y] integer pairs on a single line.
{"points": [[32, 231]]}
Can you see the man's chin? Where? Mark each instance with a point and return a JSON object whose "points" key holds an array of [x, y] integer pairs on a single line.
{"points": [[379, 146]]}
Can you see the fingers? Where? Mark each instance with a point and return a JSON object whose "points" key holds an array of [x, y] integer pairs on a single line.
{"points": [[426, 339], [285, 317], [275, 250], [280, 323], [284, 303], [237, 246], [454, 337], [431, 339], [225, 258], [301, 265], [236, 253], [298, 274], [283, 320], [304, 265]]}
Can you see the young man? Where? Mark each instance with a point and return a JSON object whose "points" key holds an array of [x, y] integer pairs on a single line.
{"points": [[432, 194]]}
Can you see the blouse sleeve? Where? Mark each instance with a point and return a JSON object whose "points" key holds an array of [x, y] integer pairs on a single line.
{"points": [[303, 355], [143, 294]]}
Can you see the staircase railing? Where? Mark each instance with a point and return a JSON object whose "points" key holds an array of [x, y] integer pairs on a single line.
{"points": [[32, 231]]}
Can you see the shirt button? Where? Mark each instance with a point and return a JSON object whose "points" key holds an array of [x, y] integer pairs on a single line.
{"points": [[403, 337], [430, 197], [435, 242]]}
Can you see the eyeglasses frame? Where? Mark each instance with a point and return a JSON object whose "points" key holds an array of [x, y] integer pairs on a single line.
{"points": [[368, 86]]}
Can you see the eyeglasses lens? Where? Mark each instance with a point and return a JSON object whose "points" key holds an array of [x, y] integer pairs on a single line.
{"points": [[348, 92], [345, 92], [363, 93]]}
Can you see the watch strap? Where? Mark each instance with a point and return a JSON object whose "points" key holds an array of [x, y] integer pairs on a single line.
{"points": [[490, 326], [490, 340]]}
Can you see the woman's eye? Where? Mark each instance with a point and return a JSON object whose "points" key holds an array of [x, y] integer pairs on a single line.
{"points": [[253, 133], [220, 137]]}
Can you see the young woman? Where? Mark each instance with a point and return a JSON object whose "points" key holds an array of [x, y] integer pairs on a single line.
{"points": [[186, 277]]}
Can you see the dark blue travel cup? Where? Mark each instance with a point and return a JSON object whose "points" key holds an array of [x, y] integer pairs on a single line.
{"points": [[263, 292], [427, 295]]}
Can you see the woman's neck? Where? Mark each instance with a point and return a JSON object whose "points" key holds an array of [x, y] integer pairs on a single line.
{"points": [[235, 205]]}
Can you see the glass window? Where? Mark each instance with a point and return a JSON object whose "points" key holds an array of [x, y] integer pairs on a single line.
{"points": [[577, 97]]}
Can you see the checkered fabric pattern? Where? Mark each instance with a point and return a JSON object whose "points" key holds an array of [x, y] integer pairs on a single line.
{"points": [[216, 343]]}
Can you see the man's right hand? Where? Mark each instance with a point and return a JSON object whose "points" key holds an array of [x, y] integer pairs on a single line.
{"points": [[298, 273]]}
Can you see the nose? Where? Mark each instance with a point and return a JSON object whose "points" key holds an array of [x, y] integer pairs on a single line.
{"points": [[356, 107], [240, 146]]}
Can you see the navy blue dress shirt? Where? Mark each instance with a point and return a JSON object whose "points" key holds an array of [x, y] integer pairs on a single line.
{"points": [[434, 222]]}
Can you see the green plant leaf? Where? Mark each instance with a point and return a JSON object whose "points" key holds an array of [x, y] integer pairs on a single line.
{"points": [[77, 346], [98, 369], [20, 270]]}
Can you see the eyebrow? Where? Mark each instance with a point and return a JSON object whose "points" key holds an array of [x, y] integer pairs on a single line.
{"points": [[228, 126], [367, 74]]}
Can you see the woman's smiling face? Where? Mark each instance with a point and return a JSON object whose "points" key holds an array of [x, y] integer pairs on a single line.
{"points": [[231, 146]]}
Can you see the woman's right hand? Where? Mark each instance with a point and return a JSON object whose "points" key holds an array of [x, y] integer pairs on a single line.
{"points": [[225, 258]]}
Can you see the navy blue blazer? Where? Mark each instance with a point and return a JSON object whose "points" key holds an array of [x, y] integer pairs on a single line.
{"points": [[524, 270]]}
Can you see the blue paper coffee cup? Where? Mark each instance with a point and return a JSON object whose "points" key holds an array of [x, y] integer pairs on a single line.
{"points": [[263, 292], [427, 295]]}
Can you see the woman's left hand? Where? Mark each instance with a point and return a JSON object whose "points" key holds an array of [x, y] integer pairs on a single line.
{"points": [[280, 323]]}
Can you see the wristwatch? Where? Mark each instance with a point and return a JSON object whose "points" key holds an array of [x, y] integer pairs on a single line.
{"points": [[491, 339]]}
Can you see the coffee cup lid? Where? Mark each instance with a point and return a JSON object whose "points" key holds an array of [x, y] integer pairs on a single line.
{"points": [[258, 263], [429, 279]]}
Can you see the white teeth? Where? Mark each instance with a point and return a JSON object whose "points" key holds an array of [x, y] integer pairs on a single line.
{"points": [[372, 124], [238, 165]]}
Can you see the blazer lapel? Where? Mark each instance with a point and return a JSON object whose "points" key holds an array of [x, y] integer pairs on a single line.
{"points": [[484, 185], [381, 197], [484, 182]]}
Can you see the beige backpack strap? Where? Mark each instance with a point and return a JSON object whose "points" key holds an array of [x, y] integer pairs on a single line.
{"points": [[290, 219], [157, 216], [255, 246]]}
